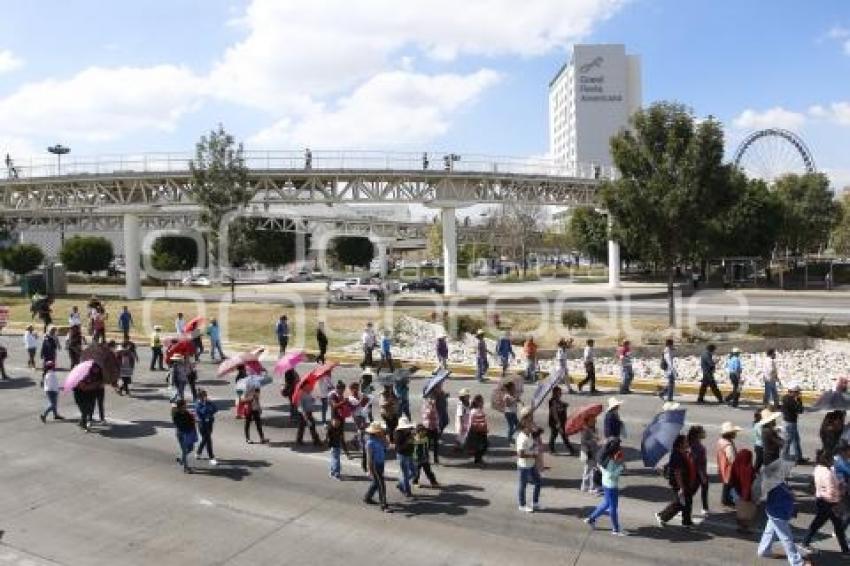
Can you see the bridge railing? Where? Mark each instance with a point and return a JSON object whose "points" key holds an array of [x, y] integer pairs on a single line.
{"points": [[160, 162]]}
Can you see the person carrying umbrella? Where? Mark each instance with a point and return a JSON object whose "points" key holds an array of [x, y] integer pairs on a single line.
{"points": [[612, 464], [684, 481], [84, 395], [290, 379], [375, 450], [726, 452], [205, 410], [184, 430]]}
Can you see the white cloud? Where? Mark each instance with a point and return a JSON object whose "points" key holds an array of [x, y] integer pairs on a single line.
{"points": [[836, 113], [847, 47], [776, 117], [9, 61], [100, 104], [391, 109], [838, 32]]}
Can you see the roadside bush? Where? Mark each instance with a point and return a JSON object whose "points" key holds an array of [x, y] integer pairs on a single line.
{"points": [[574, 319], [463, 323]]}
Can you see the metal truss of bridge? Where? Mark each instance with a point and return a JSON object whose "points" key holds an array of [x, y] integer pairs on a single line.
{"points": [[154, 190]]}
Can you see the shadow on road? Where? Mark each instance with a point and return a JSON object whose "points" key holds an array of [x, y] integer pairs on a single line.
{"points": [[16, 383], [647, 492], [451, 500], [674, 534], [134, 430]]}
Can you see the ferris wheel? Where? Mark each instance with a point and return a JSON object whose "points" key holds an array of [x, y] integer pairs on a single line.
{"points": [[771, 153]]}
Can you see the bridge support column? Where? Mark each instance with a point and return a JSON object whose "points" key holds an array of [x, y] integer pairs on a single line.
{"points": [[447, 217], [300, 250], [381, 247], [613, 257], [132, 253]]}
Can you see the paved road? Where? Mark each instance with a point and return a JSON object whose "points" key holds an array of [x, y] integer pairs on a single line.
{"points": [[116, 496]]}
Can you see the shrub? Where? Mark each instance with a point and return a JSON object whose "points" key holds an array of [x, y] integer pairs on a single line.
{"points": [[20, 259], [87, 254], [574, 319], [463, 323]]}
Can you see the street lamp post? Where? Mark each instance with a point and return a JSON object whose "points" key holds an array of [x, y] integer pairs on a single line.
{"points": [[59, 150]]}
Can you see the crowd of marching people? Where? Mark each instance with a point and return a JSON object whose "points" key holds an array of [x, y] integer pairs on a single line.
{"points": [[377, 409]]}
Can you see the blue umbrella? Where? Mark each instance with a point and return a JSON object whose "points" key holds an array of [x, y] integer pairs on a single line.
{"points": [[545, 387], [437, 378], [659, 436]]}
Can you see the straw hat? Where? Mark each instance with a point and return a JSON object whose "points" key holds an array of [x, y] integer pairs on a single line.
{"points": [[367, 371], [794, 386], [404, 423], [727, 427], [526, 413], [375, 428], [613, 403], [157, 327], [479, 332], [736, 350], [465, 392], [768, 416], [669, 406]]}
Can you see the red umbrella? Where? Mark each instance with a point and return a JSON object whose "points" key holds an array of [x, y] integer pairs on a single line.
{"points": [[193, 324], [240, 359], [308, 382], [184, 347], [576, 422]]}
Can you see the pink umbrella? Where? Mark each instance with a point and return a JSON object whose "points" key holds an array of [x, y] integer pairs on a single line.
{"points": [[240, 359], [76, 375], [289, 361], [308, 382]]}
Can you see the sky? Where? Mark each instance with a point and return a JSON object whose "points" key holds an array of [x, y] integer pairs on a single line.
{"points": [[469, 77]]}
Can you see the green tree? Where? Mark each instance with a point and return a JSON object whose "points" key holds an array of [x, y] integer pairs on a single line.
{"points": [[20, 259], [219, 182], [434, 241], [809, 212], [174, 253], [87, 254], [588, 230], [751, 225], [353, 250], [841, 232], [672, 182], [251, 242]]}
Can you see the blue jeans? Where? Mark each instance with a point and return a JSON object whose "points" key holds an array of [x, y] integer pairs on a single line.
{"points": [[627, 374], [792, 436], [670, 389], [335, 465], [513, 424], [481, 368], [377, 485], [185, 449], [407, 470], [505, 361], [779, 529], [215, 345], [324, 410], [771, 393], [608, 505], [526, 476], [404, 407], [52, 404]]}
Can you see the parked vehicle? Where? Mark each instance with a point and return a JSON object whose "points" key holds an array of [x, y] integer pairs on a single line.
{"points": [[432, 284], [196, 281], [357, 288], [297, 276]]}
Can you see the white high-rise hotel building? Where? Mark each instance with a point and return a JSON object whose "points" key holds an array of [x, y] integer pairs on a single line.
{"points": [[590, 100]]}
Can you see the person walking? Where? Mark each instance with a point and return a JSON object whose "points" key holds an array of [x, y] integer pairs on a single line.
{"points": [[214, 333], [557, 420], [179, 324], [386, 352], [743, 477], [99, 326], [403, 440], [462, 417], [613, 424], [84, 396], [402, 391], [587, 357], [442, 351], [668, 366], [368, 341], [388, 408], [735, 370], [725, 452], [530, 352], [684, 481], [505, 351], [127, 359], [375, 458], [281, 330], [254, 414], [696, 435], [526, 462], [481, 363], [335, 438], [184, 429], [827, 501], [792, 408], [561, 362], [431, 421], [74, 344], [74, 318], [306, 420], [205, 410], [831, 429], [708, 365], [50, 383], [511, 402], [476, 438], [627, 374], [31, 345], [589, 451], [321, 342], [156, 348], [178, 375], [49, 346], [612, 465], [421, 451], [125, 322], [780, 507], [771, 380], [771, 440], [325, 387]]}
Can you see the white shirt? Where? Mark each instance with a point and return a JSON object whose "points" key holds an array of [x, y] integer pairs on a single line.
{"points": [[51, 382], [771, 373], [30, 340], [524, 443], [74, 319], [179, 325], [368, 339], [588, 354], [671, 361]]}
